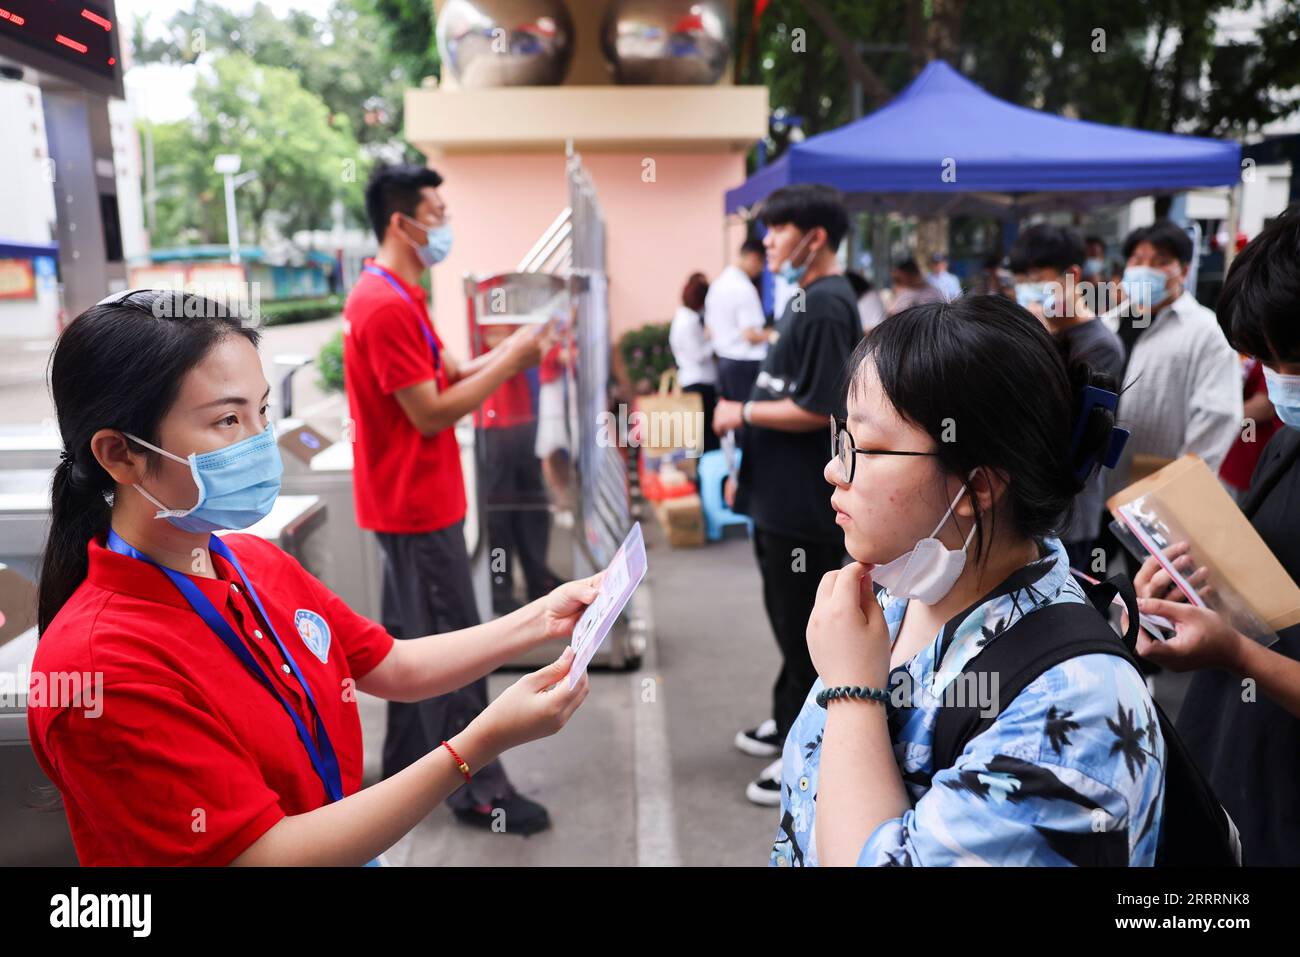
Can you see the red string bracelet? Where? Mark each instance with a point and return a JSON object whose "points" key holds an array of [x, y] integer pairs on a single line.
{"points": [[464, 768]]}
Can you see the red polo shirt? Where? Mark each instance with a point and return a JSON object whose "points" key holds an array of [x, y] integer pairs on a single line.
{"points": [[402, 482], [1239, 464], [182, 756], [551, 367], [511, 404]]}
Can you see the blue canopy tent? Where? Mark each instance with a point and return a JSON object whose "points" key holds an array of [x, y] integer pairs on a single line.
{"points": [[945, 147]]}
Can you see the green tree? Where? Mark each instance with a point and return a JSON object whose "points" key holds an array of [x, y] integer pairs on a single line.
{"points": [[342, 56], [1154, 65], [188, 206], [305, 156], [407, 27]]}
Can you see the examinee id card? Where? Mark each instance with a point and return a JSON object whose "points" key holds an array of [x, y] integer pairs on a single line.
{"points": [[621, 579]]}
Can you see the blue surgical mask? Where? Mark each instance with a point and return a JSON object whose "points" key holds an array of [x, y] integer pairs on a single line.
{"points": [[1037, 294], [1031, 293], [789, 271], [1144, 285], [1284, 393], [237, 484], [1093, 267], [437, 242]]}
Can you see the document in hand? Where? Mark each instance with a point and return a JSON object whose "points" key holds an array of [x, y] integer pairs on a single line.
{"points": [[621, 579], [1184, 502]]}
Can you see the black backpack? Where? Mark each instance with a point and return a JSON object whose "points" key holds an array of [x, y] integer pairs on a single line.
{"points": [[1196, 831]]}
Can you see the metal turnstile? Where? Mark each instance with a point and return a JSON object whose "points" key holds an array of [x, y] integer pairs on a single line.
{"points": [[24, 518], [297, 524], [315, 465], [29, 447], [33, 825]]}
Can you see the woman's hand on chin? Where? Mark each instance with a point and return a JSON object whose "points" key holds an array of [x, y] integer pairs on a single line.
{"points": [[848, 639], [561, 609]]}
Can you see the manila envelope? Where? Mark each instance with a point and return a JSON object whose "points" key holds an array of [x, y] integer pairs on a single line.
{"points": [[1221, 537]]}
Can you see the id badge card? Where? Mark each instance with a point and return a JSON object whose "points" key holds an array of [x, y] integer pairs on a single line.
{"points": [[621, 580]]}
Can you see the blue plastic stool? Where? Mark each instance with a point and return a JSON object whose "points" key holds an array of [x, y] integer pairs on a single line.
{"points": [[711, 471]]}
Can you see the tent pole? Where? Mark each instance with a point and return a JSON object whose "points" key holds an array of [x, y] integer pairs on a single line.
{"points": [[1234, 223]]}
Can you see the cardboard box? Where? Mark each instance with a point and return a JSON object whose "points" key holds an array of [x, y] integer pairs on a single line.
{"points": [[676, 458], [682, 520]]}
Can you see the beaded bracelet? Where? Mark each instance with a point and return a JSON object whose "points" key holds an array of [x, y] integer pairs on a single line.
{"points": [[848, 691]]}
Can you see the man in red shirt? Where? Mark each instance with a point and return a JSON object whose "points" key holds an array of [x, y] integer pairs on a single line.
{"points": [[405, 395], [514, 495]]}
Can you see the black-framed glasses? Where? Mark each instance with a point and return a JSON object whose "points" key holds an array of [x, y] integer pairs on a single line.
{"points": [[846, 453]]}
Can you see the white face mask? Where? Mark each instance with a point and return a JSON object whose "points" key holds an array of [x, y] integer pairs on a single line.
{"points": [[929, 570]]}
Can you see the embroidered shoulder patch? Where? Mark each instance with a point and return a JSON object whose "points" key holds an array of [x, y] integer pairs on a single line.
{"points": [[315, 633]]}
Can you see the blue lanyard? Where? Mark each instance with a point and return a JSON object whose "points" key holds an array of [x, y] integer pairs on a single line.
{"points": [[324, 760], [385, 275]]}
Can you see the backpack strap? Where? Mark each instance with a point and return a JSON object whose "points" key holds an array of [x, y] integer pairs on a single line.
{"points": [[1102, 596], [1196, 830], [1036, 643]]}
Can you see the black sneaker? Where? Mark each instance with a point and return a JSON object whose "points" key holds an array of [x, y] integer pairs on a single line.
{"points": [[766, 788], [761, 742], [508, 815]]}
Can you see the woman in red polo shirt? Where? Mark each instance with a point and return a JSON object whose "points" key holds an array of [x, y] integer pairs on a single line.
{"points": [[215, 715]]}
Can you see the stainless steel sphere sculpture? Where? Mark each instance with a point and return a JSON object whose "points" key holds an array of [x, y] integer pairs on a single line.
{"points": [[670, 42], [490, 43]]}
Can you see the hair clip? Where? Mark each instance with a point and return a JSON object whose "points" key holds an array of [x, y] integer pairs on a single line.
{"points": [[1093, 397]]}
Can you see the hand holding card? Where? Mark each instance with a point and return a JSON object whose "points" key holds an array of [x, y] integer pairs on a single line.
{"points": [[621, 579]]}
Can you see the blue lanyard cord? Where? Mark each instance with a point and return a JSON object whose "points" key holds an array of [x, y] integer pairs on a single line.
{"points": [[419, 316], [323, 760]]}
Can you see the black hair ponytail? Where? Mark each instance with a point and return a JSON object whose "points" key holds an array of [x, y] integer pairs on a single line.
{"points": [[116, 366], [78, 512]]}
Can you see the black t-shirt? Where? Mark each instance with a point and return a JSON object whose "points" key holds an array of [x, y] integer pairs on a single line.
{"points": [[781, 484], [1250, 750]]}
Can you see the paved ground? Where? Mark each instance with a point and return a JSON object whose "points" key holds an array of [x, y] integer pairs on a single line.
{"points": [[646, 772]]}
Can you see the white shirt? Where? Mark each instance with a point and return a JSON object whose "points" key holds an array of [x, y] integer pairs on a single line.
{"points": [[691, 349], [871, 310], [732, 304], [906, 297], [1183, 389], [946, 283]]}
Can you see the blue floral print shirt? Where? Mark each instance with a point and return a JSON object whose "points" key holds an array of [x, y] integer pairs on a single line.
{"points": [[1070, 773]]}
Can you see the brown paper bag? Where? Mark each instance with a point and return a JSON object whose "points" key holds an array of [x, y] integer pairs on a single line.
{"points": [[670, 419]]}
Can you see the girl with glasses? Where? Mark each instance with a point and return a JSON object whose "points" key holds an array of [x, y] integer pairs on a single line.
{"points": [[953, 472]]}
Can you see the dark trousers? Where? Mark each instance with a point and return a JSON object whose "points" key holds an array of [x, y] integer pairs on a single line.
{"points": [[427, 591], [736, 378], [709, 396], [792, 568], [518, 517]]}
